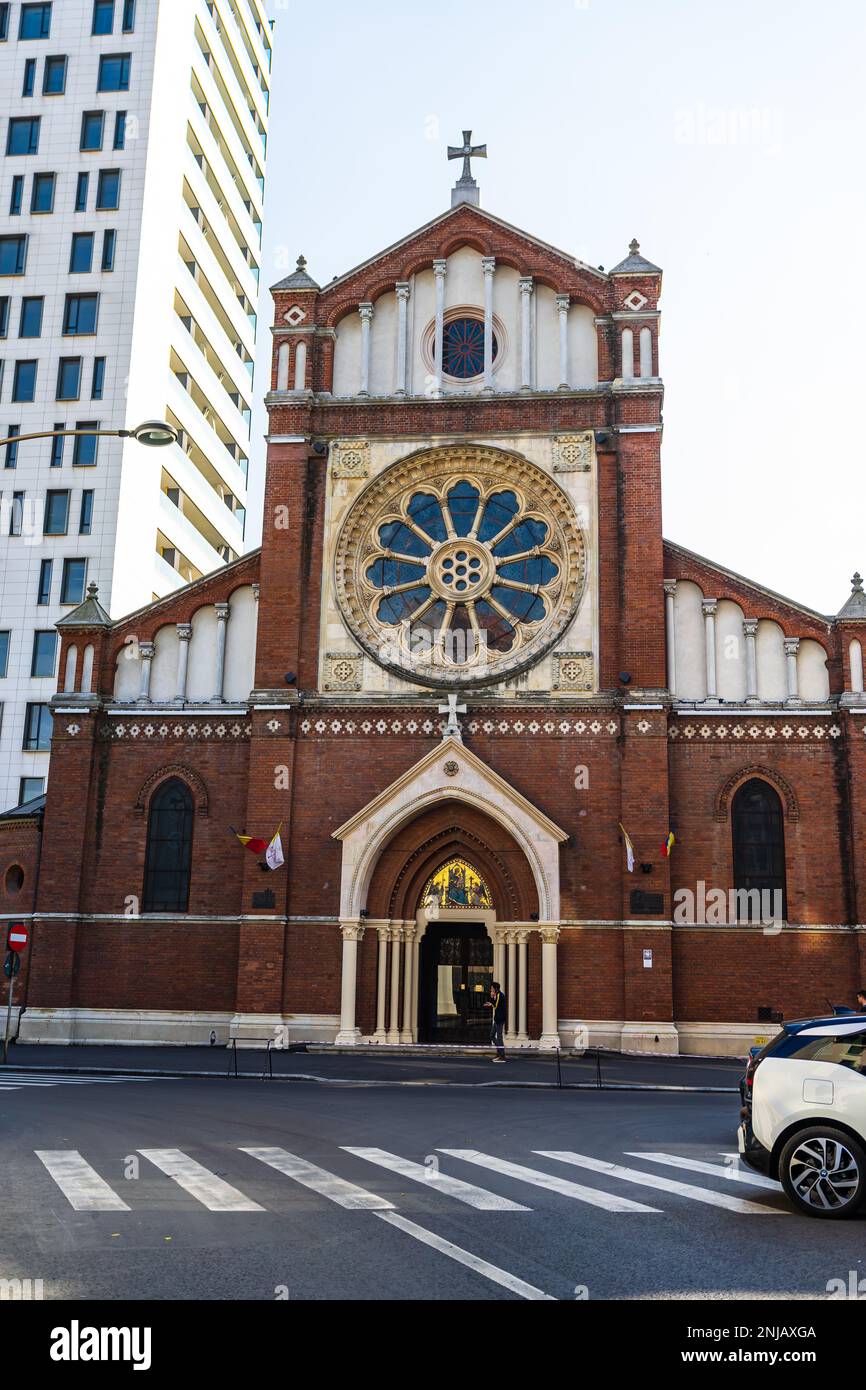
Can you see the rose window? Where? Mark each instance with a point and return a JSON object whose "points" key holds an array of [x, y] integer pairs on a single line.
{"points": [[465, 567]]}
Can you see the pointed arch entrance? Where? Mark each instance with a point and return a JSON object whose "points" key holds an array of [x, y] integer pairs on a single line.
{"points": [[456, 935], [450, 807]]}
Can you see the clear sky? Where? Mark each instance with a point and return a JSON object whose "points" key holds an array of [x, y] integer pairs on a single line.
{"points": [[727, 135]]}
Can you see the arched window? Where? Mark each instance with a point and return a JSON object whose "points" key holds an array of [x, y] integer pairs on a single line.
{"points": [[759, 852], [169, 848]]}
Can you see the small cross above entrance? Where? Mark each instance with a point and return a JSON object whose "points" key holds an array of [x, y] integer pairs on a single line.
{"points": [[452, 709], [466, 189]]}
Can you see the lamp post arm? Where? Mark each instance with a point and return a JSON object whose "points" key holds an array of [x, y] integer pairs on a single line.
{"points": [[62, 434]]}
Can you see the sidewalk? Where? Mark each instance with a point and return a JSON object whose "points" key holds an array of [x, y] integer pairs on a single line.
{"points": [[363, 1066]]}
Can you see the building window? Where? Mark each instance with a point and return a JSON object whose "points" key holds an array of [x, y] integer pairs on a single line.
{"points": [[17, 195], [13, 255], [108, 191], [463, 348], [12, 447], [114, 72], [120, 130], [69, 379], [56, 513], [72, 585], [54, 77], [109, 242], [57, 444], [81, 256], [16, 516], [42, 193], [169, 848], [45, 571], [29, 788], [80, 314], [24, 382], [31, 317], [128, 16], [37, 729], [84, 452], [23, 135], [29, 77], [759, 852], [44, 657], [4, 654], [103, 17], [4, 315], [81, 192], [85, 520], [98, 385], [35, 22], [4, 22], [92, 130]]}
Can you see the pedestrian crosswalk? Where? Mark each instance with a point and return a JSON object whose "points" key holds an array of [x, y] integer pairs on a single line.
{"points": [[20, 1080], [379, 1180]]}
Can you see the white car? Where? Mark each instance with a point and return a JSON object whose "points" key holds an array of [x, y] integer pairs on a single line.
{"points": [[807, 1125]]}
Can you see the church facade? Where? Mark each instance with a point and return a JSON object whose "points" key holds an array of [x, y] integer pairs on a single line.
{"points": [[475, 689]]}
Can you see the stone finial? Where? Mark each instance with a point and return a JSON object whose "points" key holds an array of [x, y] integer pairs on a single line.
{"points": [[634, 246], [93, 589], [857, 584], [855, 607]]}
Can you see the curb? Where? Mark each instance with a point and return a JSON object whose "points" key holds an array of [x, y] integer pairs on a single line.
{"points": [[636, 1086]]}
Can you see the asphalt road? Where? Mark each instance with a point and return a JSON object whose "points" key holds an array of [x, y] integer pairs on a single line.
{"points": [[186, 1189]]}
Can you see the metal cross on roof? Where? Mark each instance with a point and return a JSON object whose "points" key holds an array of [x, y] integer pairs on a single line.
{"points": [[467, 152]]}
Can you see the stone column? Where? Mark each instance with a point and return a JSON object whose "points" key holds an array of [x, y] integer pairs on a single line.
{"points": [[403, 291], [750, 632], [488, 265], [511, 987], [184, 637], [792, 647], [381, 984], [710, 607], [563, 304], [440, 270], [549, 1005], [416, 961], [527, 286], [499, 956], [394, 1020], [366, 312], [146, 652], [408, 979], [671, 628], [349, 1033], [522, 961], [222, 612]]}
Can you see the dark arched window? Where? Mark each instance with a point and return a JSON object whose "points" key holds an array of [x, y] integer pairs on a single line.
{"points": [[169, 848], [759, 852]]}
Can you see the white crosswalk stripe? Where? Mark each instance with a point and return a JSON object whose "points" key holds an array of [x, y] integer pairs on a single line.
{"points": [[338, 1190], [593, 1196], [731, 1172], [21, 1080], [436, 1180], [80, 1184], [214, 1193], [740, 1205], [464, 1257]]}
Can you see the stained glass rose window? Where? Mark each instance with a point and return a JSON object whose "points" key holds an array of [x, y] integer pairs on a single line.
{"points": [[460, 564]]}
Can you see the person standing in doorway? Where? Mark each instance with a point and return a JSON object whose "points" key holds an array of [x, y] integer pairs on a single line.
{"points": [[499, 1004]]}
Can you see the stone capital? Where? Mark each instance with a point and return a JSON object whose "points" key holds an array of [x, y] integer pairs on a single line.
{"points": [[146, 650], [792, 646], [222, 612], [563, 303], [366, 312], [750, 627], [671, 587], [440, 268], [710, 607], [403, 289], [352, 931], [488, 264], [527, 284], [184, 632]]}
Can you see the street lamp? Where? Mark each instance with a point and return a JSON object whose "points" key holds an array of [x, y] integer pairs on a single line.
{"points": [[155, 434]]}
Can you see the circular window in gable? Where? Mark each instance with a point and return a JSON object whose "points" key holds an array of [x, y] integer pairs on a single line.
{"points": [[14, 880], [463, 340]]}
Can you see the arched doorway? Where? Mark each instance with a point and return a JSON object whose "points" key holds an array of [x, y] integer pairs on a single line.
{"points": [[455, 959]]}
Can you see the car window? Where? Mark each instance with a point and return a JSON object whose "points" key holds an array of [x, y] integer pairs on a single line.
{"points": [[847, 1051]]}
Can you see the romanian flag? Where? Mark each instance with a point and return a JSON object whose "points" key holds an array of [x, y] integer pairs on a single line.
{"points": [[629, 848], [668, 845]]}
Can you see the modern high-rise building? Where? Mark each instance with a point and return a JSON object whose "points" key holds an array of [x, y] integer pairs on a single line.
{"points": [[133, 137]]}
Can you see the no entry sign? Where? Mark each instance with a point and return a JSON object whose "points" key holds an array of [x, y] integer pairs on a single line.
{"points": [[18, 936]]}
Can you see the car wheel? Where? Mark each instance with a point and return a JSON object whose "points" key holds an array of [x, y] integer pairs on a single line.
{"points": [[823, 1171]]}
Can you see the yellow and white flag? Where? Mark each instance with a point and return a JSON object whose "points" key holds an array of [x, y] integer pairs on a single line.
{"points": [[274, 857], [629, 848]]}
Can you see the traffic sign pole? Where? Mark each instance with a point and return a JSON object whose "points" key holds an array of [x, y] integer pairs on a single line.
{"points": [[8, 1019]]}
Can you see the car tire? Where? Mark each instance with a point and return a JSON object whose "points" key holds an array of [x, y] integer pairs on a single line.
{"points": [[823, 1172]]}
